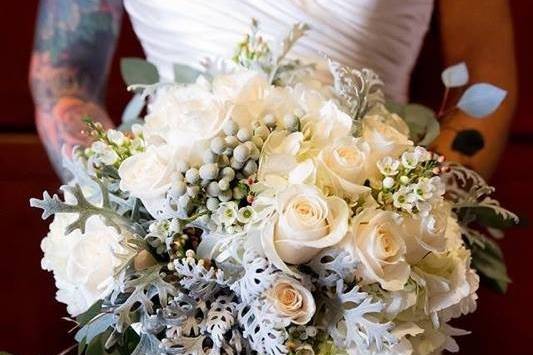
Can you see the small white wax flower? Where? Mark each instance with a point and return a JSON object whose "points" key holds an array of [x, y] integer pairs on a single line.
{"points": [[226, 213], [388, 182], [115, 137], [246, 214], [99, 147], [404, 198], [422, 154], [388, 166], [423, 189], [137, 129], [409, 160]]}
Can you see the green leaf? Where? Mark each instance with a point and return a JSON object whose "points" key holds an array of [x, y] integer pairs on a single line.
{"points": [[489, 218], [185, 74], [422, 122], [488, 260], [97, 345], [88, 315], [97, 326], [138, 71]]}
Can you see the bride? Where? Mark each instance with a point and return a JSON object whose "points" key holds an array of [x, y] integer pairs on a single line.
{"points": [[75, 41]]}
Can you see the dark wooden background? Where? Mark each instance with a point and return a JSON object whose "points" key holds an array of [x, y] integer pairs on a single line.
{"points": [[30, 319]]}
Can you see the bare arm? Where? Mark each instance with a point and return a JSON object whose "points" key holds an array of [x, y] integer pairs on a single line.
{"points": [[480, 33], [74, 44]]}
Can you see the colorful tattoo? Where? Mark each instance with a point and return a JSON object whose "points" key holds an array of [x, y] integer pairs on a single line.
{"points": [[74, 44]]}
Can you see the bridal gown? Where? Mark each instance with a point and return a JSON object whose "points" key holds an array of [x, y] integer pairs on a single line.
{"points": [[384, 35]]}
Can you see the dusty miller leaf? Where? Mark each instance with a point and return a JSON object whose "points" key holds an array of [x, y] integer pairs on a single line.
{"points": [[83, 208], [359, 90]]}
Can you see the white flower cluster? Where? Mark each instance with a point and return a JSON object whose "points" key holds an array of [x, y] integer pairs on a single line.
{"points": [[303, 223], [411, 183], [112, 146]]}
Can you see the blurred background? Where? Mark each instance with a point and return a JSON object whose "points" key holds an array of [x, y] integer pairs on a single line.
{"points": [[30, 318]]}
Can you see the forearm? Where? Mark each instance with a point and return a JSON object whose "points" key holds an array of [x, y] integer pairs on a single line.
{"points": [[484, 40], [61, 128], [74, 44]]}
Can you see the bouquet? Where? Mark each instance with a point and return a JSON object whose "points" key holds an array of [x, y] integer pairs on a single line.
{"points": [[258, 210]]}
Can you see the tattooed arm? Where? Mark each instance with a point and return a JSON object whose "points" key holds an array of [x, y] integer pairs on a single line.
{"points": [[74, 44], [480, 33]]}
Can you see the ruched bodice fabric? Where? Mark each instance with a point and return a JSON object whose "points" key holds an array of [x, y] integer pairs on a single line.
{"points": [[385, 35]]}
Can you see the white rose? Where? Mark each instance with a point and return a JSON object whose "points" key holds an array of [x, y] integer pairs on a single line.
{"points": [[384, 139], [426, 233], [292, 300], [244, 90], [330, 124], [83, 263], [183, 115], [279, 154], [304, 223], [376, 240], [448, 280], [344, 166], [148, 176]]}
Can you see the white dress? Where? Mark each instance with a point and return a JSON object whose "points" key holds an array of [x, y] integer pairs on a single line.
{"points": [[385, 35]]}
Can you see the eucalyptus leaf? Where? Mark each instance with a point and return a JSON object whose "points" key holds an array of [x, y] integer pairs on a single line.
{"points": [[138, 71], [185, 74], [421, 120], [133, 109], [455, 76], [482, 99]]}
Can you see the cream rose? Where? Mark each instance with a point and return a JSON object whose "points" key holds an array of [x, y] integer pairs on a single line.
{"points": [[427, 233], [244, 91], [279, 154], [344, 167], [326, 126], [385, 139], [83, 263], [376, 240], [183, 115], [449, 281], [292, 300], [304, 222], [148, 176]]}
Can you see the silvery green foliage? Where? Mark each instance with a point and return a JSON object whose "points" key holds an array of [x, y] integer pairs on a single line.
{"points": [[297, 31], [258, 275], [469, 192], [353, 321], [358, 90], [197, 279], [263, 328], [136, 292], [220, 318], [82, 208], [332, 265], [202, 325]]}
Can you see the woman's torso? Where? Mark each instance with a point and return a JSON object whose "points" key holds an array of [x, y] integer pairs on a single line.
{"points": [[385, 35]]}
